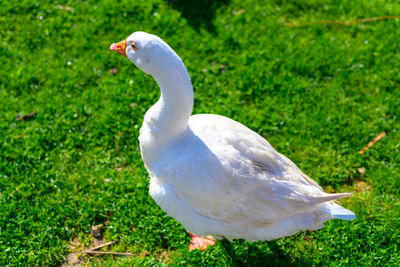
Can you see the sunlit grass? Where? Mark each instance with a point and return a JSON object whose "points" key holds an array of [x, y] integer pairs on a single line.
{"points": [[318, 93]]}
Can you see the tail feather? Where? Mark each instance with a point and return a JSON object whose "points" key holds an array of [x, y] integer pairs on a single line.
{"points": [[338, 212], [331, 197]]}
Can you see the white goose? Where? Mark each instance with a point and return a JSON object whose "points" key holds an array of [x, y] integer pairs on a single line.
{"points": [[212, 174]]}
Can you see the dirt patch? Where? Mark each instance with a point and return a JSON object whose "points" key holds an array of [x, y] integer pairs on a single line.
{"points": [[164, 255], [362, 186], [80, 254], [73, 258]]}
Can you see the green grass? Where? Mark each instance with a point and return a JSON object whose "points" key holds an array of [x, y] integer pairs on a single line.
{"points": [[318, 93]]}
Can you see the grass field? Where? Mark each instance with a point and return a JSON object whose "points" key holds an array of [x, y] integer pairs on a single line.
{"points": [[318, 92]]}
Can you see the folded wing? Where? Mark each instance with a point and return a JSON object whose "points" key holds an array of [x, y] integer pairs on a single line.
{"points": [[230, 173]]}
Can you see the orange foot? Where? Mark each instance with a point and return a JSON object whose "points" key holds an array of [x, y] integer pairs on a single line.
{"points": [[199, 242]]}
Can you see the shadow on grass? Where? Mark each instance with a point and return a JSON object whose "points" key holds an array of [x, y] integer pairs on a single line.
{"points": [[199, 13], [256, 256]]}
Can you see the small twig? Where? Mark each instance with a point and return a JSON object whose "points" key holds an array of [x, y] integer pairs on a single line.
{"points": [[110, 253], [379, 137], [337, 22], [101, 246], [94, 250]]}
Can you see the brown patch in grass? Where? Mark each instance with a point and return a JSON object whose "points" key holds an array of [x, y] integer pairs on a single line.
{"points": [[73, 258], [143, 254], [361, 186], [164, 255], [79, 255], [329, 189]]}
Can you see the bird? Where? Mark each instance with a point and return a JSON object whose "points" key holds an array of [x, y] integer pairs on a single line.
{"points": [[214, 175]]}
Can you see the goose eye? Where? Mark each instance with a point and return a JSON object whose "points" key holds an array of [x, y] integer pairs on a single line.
{"points": [[134, 46]]}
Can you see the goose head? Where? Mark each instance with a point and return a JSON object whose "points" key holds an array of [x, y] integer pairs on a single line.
{"points": [[147, 51]]}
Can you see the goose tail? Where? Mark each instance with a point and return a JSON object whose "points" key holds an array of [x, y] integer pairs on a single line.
{"points": [[338, 212]]}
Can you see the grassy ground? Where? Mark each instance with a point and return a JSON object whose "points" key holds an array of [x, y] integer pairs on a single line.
{"points": [[319, 93]]}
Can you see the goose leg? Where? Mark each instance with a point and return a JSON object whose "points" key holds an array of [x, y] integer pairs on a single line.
{"points": [[199, 242]]}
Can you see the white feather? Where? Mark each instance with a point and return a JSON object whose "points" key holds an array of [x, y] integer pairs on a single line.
{"points": [[338, 212]]}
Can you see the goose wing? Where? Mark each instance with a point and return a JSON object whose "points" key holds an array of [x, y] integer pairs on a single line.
{"points": [[230, 173]]}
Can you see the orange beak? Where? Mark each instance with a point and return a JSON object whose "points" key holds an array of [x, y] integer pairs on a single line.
{"points": [[119, 47]]}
